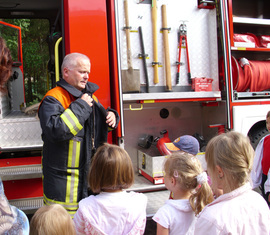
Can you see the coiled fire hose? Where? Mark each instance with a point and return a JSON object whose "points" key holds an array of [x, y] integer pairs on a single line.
{"points": [[252, 75]]}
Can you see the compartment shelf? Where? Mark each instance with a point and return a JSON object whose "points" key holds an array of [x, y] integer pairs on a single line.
{"points": [[250, 49], [184, 96], [141, 184], [251, 95], [247, 20]]}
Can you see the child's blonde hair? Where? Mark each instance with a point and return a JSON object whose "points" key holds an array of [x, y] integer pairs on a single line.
{"points": [[186, 168], [268, 114], [232, 152], [53, 220], [111, 169]]}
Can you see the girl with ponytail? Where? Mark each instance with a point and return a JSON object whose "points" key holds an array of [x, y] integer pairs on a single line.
{"points": [[185, 178]]}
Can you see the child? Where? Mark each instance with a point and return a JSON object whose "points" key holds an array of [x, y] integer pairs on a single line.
{"points": [[239, 210], [260, 173], [53, 220], [184, 177], [185, 143], [12, 220], [113, 210]]}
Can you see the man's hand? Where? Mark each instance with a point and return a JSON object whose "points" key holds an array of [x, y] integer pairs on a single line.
{"points": [[111, 119], [88, 99]]}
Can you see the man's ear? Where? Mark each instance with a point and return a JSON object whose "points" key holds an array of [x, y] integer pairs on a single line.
{"points": [[220, 172], [65, 70]]}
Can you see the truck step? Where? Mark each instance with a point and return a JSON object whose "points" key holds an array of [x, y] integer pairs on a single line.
{"points": [[21, 172], [155, 200], [28, 205]]}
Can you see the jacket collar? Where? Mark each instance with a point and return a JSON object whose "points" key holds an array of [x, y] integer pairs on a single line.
{"points": [[89, 88]]}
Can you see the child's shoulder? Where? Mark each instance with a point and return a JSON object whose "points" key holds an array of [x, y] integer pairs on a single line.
{"points": [[87, 199], [137, 195], [137, 198]]}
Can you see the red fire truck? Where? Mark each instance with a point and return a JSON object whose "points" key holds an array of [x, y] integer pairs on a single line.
{"points": [[168, 67]]}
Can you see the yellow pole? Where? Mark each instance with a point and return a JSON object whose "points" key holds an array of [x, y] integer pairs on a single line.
{"points": [[56, 51]]}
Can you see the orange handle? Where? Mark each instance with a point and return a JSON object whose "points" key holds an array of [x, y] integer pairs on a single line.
{"points": [[155, 47], [166, 48]]}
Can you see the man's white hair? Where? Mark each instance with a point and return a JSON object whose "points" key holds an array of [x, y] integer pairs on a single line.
{"points": [[71, 60]]}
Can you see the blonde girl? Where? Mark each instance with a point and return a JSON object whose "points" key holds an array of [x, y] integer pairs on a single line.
{"points": [[113, 210], [184, 177], [239, 210], [53, 220]]}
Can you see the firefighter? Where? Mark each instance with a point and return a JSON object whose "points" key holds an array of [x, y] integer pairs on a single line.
{"points": [[73, 124]]}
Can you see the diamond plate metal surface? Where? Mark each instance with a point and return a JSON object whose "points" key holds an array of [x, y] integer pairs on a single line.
{"points": [[20, 130], [21, 172], [29, 206], [201, 36]]}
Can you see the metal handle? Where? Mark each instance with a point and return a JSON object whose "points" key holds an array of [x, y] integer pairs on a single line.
{"points": [[56, 54], [135, 109]]}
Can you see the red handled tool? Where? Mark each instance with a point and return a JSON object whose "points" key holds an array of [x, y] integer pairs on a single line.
{"points": [[183, 44]]}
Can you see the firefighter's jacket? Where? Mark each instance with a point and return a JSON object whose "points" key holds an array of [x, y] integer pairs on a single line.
{"points": [[67, 132]]}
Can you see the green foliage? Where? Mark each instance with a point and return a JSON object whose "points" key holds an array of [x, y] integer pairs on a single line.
{"points": [[35, 54]]}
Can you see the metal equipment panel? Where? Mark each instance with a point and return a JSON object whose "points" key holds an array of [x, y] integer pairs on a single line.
{"points": [[19, 130], [201, 37]]}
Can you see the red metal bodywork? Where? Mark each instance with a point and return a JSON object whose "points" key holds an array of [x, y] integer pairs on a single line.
{"points": [[229, 38], [87, 31], [24, 188], [114, 64], [227, 41], [23, 161]]}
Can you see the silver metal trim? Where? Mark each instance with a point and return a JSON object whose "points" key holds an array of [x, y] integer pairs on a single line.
{"points": [[21, 148], [28, 205], [246, 20], [21, 172], [172, 95], [119, 67], [222, 20]]}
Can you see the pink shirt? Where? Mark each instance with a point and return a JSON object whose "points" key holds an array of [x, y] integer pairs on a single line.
{"points": [[242, 211], [112, 213]]}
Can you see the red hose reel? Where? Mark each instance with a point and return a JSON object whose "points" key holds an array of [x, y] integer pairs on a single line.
{"points": [[250, 75]]}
